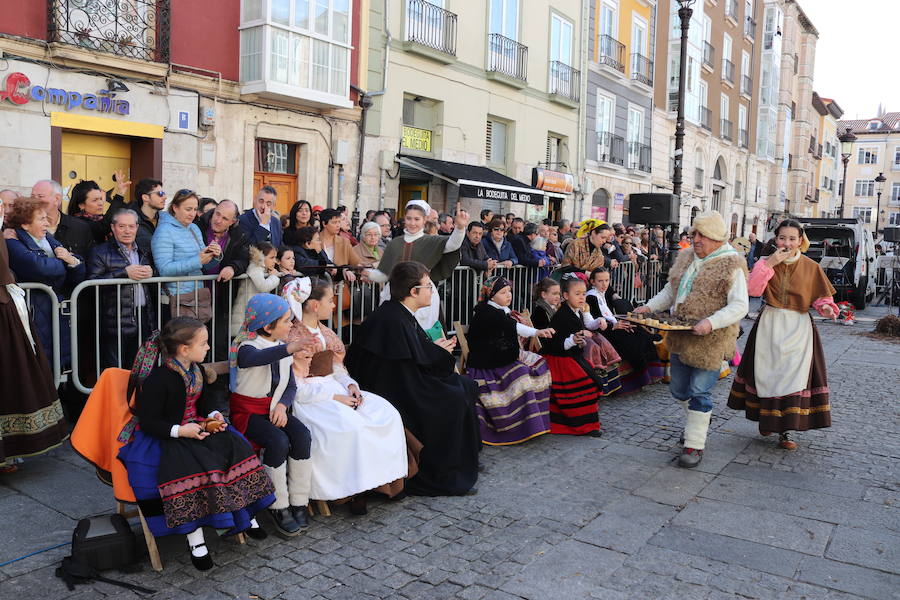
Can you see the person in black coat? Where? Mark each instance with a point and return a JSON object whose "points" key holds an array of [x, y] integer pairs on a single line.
{"points": [[393, 357], [522, 246], [472, 253], [128, 312]]}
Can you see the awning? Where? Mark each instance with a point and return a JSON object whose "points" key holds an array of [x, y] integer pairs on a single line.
{"points": [[474, 181]]}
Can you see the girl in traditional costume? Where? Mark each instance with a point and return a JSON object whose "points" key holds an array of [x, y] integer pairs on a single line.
{"points": [[358, 442], [781, 381], [187, 467], [262, 397], [577, 385], [394, 357], [546, 298], [513, 384]]}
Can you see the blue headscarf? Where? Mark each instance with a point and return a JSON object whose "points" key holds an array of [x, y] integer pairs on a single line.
{"points": [[262, 310]]}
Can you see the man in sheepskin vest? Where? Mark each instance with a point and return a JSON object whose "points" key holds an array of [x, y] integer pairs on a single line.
{"points": [[707, 284]]}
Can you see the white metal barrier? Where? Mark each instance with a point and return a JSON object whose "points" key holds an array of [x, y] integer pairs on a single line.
{"points": [[52, 353]]}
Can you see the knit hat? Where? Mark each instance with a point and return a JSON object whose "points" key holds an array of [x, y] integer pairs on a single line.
{"points": [[711, 225]]}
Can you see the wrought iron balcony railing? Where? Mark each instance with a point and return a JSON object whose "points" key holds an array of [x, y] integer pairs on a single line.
{"points": [[638, 157], [746, 85], [744, 138], [709, 55], [705, 118], [673, 102], [431, 26], [612, 53], [641, 69], [131, 28], [610, 148], [726, 130], [727, 71], [507, 56], [564, 80]]}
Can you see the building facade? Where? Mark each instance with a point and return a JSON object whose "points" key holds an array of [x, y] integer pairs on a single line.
{"points": [[483, 92], [829, 163], [142, 86], [875, 151], [720, 169], [619, 103]]}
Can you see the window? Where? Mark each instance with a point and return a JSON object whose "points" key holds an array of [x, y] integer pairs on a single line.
{"points": [[724, 108], [634, 136], [495, 142], [276, 157], [609, 19], [707, 29], [505, 18], [864, 188], [638, 35], [867, 156], [561, 40], [554, 151], [897, 156], [863, 212], [742, 117], [874, 125], [605, 109], [894, 218], [895, 192], [726, 51]]}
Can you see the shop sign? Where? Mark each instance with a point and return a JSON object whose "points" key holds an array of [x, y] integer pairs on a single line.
{"points": [[619, 200], [485, 192], [552, 181], [416, 139], [18, 89]]}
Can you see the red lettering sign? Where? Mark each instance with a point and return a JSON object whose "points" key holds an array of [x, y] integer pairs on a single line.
{"points": [[14, 81]]}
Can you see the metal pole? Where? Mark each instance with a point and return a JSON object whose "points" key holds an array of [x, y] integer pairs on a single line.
{"points": [[877, 213], [845, 158], [684, 14]]}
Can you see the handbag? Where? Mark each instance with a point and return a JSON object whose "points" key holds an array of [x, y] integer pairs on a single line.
{"points": [[196, 304]]}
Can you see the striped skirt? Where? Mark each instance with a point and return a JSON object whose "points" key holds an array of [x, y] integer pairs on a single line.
{"points": [[573, 396], [513, 401]]}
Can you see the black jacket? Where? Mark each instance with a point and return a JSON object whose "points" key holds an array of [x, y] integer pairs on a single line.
{"points": [[108, 261], [161, 401], [236, 253], [493, 342], [565, 322], [473, 255], [522, 247], [75, 235]]}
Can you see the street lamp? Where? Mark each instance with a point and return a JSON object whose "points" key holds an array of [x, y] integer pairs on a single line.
{"points": [[684, 13], [847, 138], [879, 188]]}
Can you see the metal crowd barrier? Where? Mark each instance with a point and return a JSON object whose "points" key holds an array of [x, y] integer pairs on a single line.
{"points": [[354, 302], [52, 353]]}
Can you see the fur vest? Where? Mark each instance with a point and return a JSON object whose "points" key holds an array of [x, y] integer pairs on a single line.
{"points": [[708, 294]]}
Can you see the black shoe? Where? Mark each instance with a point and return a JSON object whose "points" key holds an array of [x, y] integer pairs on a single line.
{"points": [[594, 433], [358, 506], [202, 563], [285, 523], [301, 516], [690, 458], [257, 533]]}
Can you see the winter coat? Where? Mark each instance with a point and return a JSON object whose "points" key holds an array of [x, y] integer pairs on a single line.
{"points": [[176, 251], [257, 282], [257, 233], [109, 261], [506, 250]]}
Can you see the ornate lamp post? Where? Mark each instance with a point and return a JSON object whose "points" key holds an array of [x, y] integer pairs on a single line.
{"points": [[879, 188], [847, 138], [684, 13]]}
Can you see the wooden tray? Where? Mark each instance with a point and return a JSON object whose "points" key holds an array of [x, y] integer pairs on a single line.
{"points": [[660, 326]]}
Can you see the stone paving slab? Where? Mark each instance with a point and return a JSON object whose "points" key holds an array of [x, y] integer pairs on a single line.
{"points": [[802, 481], [849, 578], [872, 549], [626, 525], [674, 486]]}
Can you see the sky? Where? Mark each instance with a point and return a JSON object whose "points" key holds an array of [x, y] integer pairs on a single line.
{"points": [[856, 55]]}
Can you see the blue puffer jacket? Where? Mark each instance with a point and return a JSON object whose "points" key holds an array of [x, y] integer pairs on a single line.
{"points": [[176, 252], [506, 250]]}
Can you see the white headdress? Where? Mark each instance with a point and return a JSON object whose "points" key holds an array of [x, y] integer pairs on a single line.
{"points": [[296, 292]]}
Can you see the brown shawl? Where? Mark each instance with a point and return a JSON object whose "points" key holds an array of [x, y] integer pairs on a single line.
{"points": [[796, 286]]}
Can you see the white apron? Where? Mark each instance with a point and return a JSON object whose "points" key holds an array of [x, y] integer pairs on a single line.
{"points": [[784, 351]]}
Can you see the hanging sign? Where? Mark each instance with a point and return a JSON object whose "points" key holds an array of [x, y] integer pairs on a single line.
{"points": [[17, 89], [552, 181]]}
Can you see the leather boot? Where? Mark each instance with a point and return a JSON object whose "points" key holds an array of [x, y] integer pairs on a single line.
{"points": [[285, 524], [694, 438]]}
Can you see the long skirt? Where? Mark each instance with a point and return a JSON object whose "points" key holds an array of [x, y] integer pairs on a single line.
{"points": [[640, 364], [513, 400], [573, 396], [182, 484], [354, 451], [794, 410], [31, 416]]}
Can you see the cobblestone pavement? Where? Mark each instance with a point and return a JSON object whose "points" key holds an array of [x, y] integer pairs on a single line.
{"points": [[561, 517]]}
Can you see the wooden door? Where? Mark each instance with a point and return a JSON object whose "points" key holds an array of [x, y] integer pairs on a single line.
{"points": [[93, 157], [409, 192], [285, 185]]}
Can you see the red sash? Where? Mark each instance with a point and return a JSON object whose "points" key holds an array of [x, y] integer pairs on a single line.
{"points": [[241, 409]]}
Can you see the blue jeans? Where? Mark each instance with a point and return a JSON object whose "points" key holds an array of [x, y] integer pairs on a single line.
{"points": [[692, 384]]}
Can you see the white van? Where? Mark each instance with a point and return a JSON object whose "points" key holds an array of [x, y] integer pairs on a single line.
{"points": [[846, 251]]}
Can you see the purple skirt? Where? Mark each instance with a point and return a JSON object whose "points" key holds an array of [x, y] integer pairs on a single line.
{"points": [[513, 401]]}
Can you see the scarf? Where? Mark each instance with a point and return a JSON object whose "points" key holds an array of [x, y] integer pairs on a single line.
{"points": [[262, 310], [193, 380], [88, 216], [549, 309], [296, 292], [492, 285], [687, 280]]}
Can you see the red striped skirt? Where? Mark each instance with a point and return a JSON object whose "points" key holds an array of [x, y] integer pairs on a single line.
{"points": [[573, 397]]}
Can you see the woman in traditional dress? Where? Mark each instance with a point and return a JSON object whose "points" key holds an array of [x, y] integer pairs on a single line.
{"points": [[632, 343], [393, 357], [781, 381], [187, 468], [577, 385], [358, 442], [513, 384], [31, 416]]}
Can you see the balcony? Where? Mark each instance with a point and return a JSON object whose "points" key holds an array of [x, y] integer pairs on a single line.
{"points": [[726, 130], [698, 178], [430, 30], [812, 144], [638, 157], [610, 148], [749, 28], [728, 71], [136, 29], [673, 104], [507, 60], [746, 85], [565, 83], [744, 138], [642, 69], [818, 153], [731, 9], [705, 118], [612, 53], [709, 56]]}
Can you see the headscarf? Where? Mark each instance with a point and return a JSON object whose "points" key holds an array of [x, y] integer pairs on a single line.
{"points": [[296, 293], [262, 310], [492, 285], [421, 204], [588, 226]]}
